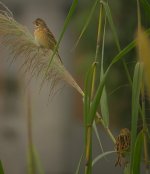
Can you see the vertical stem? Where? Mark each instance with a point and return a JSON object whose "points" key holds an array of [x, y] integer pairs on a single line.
{"points": [[30, 139], [97, 46], [88, 128], [88, 150]]}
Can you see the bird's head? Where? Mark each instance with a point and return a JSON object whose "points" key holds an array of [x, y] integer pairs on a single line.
{"points": [[39, 23]]}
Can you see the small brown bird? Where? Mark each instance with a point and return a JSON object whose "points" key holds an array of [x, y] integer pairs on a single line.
{"points": [[122, 145], [43, 36]]}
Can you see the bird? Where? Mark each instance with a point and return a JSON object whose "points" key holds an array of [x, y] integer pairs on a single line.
{"points": [[122, 145], [43, 36]]}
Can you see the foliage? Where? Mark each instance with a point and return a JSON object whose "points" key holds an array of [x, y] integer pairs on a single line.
{"points": [[40, 61]]}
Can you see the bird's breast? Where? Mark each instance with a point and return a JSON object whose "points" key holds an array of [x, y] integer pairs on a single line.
{"points": [[41, 38]]}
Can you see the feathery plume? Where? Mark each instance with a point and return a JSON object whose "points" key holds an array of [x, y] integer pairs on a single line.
{"points": [[22, 45]]}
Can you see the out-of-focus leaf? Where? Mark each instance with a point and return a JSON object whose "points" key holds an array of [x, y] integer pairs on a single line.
{"points": [[143, 47], [146, 5]]}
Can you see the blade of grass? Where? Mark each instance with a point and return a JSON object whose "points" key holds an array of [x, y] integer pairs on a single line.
{"points": [[86, 23], [96, 60], [79, 164], [96, 100], [123, 52], [137, 80], [97, 45], [144, 54], [88, 92], [126, 50], [103, 100], [143, 45], [112, 26], [137, 153], [66, 23], [119, 56], [97, 135], [143, 51], [111, 23], [1, 168], [102, 155]]}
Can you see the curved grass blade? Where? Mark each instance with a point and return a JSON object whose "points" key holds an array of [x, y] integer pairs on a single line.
{"points": [[79, 164], [111, 23], [99, 157], [103, 100], [86, 23], [66, 23], [123, 52], [126, 50], [112, 26], [143, 45]]}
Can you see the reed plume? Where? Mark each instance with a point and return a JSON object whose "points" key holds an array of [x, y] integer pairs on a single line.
{"points": [[21, 45]]}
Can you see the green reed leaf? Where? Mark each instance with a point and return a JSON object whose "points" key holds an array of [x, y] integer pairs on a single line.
{"points": [[137, 153], [103, 100], [137, 82], [111, 23]]}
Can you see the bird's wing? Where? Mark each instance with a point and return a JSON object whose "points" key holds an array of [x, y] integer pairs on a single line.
{"points": [[52, 42]]}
